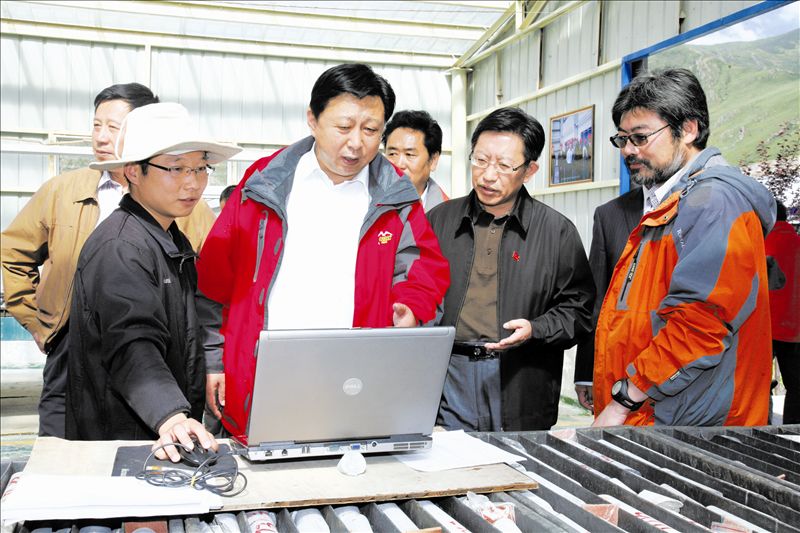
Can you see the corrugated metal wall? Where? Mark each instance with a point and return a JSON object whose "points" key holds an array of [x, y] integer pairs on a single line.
{"points": [[699, 12], [594, 34], [49, 87]]}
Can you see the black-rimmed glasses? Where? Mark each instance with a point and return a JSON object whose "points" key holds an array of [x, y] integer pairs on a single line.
{"points": [[183, 172], [637, 139]]}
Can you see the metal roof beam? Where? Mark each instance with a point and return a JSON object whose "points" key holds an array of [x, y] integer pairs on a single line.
{"points": [[502, 20], [542, 22], [266, 16], [218, 45], [535, 11], [484, 4]]}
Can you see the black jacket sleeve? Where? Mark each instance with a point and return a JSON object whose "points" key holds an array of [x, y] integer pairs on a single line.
{"points": [[570, 314], [125, 285]]}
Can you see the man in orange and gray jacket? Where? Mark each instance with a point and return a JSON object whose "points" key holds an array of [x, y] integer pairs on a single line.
{"points": [[49, 232], [683, 337]]}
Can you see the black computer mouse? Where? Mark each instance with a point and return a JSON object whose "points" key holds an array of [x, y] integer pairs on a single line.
{"points": [[197, 455]]}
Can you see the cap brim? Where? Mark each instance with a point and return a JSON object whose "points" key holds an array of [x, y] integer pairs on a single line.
{"points": [[217, 153]]}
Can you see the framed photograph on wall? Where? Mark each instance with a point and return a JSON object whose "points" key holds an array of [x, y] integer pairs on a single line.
{"points": [[572, 147]]}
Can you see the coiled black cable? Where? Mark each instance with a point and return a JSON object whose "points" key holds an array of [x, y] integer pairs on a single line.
{"points": [[211, 475]]}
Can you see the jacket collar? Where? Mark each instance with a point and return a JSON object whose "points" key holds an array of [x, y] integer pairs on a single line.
{"points": [[708, 157], [272, 185], [167, 240], [86, 189], [520, 215]]}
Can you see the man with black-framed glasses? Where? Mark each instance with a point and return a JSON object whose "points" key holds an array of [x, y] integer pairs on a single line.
{"points": [[136, 368], [521, 291], [612, 224], [683, 335]]}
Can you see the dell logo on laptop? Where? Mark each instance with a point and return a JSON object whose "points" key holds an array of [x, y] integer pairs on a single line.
{"points": [[352, 386]]}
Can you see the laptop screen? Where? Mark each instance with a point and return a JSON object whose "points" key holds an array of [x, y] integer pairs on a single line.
{"points": [[337, 384]]}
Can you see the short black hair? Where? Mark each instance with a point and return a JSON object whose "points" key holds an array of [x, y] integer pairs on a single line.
{"points": [[514, 120], [135, 94], [780, 211], [419, 121], [226, 193], [674, 94], [351, 78]]}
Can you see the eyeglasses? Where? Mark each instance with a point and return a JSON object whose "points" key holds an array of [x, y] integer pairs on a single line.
{"points": [[183, 172], [637, 139], [502, 168]]}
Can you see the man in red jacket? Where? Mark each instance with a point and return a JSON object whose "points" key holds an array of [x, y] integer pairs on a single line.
{"points": [[783, 244], [322, 234]]}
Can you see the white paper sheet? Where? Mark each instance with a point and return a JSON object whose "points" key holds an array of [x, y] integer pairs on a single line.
{"points": [[47, 497], [456, 449]]}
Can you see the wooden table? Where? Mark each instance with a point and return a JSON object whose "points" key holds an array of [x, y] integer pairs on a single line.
{"points": [[296, 483]]}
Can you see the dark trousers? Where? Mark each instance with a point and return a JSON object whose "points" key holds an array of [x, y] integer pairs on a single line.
{"points": [[788, 356], [53, 402], [471, 399]]}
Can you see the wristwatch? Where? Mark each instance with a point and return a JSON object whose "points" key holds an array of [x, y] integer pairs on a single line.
{"points": [[619, 391]]}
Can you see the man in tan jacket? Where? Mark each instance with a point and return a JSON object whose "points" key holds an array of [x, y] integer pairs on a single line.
{"points": [[49, 233]]}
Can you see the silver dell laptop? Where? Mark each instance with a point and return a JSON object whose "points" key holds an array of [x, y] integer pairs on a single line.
{"points": [[324, 392]]}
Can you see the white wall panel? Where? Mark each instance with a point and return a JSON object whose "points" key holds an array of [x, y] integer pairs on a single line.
{"points": [[631, 25], [519, 66], [10, 81], [570, 44], [481, 87], [51, 85], [700, 12], [23, 171]]}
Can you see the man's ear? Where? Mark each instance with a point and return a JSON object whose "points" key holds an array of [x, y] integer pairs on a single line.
{"points": [[533, 166], [690, 131], [312, 121], [434, 161], [133, 173]]}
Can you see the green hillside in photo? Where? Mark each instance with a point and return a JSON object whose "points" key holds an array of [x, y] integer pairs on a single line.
{"points": [[753, 90]]}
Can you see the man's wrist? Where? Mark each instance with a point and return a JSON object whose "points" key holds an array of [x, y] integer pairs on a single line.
{"points": [[170, 420], [619, 408], [620, 393], [635, 393]]}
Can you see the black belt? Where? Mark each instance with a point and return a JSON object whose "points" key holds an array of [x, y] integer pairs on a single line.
{"points": [[475, 352]]}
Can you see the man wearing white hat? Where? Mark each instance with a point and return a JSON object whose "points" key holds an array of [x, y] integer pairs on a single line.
{"points": [[40, 247], [135, 369]]}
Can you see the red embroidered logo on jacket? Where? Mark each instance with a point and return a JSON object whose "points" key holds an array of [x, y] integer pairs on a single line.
{"points": [[515, 256], [384, 237]]}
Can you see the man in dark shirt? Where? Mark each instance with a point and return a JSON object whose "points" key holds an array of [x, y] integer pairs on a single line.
{"points": [[517, 266]]}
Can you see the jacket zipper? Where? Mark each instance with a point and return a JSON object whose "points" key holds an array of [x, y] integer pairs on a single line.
{"points": [[262, 230], [623, 296]]}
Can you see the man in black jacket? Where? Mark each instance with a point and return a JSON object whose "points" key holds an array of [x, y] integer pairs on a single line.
{"points": [[136, 368], [517, 266]]}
